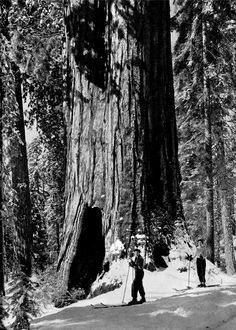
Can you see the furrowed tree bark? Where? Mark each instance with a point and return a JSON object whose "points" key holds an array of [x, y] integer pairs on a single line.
{"points": [[160, 168], [20, 184], [121, 132]]}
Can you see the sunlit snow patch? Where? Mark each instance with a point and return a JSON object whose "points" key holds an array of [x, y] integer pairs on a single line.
{"points": [[179, 311]]}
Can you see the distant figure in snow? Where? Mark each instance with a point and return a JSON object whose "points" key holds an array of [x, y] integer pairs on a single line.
{"points": [[201, 262], [106, 268], [137, 285]]}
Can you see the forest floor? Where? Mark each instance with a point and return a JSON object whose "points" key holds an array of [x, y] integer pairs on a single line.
{"points": [[168, 305]]}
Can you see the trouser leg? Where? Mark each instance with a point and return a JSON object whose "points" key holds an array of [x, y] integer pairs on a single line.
{"points": [[140, 287], [134, 289], [201, 269]]}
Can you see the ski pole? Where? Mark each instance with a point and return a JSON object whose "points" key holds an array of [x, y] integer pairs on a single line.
{"points": [[189, 258], [125, 284], [189, 273]]}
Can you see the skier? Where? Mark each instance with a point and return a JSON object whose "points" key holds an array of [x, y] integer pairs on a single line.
{"points": [[137, 285], [201, 262]]}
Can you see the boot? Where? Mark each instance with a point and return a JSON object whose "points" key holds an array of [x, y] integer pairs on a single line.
{"points": [[133, 302], [142, 300]]}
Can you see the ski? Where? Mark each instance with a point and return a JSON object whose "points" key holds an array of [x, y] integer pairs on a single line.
{"points": [[101, 305], [189, 288], [118, 305], [183, 290]]}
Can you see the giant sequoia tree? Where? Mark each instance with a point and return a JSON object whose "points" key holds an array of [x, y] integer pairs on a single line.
{"points": [[122, 169]]}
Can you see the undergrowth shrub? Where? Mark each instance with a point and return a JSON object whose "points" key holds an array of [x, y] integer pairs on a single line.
{"points": [[64, 298], [3, 312], [48, 286], [22, 304], [50, 290]]}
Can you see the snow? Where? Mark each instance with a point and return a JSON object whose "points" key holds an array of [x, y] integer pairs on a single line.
{"points": [[167, 306]]}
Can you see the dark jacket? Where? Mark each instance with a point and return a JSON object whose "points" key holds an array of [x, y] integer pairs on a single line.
{"points": [[137, 264]]}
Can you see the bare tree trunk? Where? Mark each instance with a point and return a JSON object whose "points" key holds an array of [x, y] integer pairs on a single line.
{"points": [[121, 134], [227, 229], [2, 94], [1, 197], [225, 204], [2, 291], [208, 153], [231, 203], [218, 227], [20, 184]]}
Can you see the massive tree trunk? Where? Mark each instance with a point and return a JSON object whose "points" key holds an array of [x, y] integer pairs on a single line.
{"points": [[20, 184], [122, 147], [209, 198], [160, 168]]}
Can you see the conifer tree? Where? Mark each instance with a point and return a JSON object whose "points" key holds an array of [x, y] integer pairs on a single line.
{"points": [[2, 291], [38, 52], [199, 55], [4, 64], [15, 152]]}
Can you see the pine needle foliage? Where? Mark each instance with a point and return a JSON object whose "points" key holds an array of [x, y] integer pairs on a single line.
{"points": [[22, 305]]}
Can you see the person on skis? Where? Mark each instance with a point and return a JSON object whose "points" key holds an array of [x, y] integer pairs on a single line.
{"points": [[201, 262], [137, 285]]}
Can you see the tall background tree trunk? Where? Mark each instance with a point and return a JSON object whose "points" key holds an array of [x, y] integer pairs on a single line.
{"points": [[2, 291], [218, 227], [225, 202], [20, 184], [121, 137], [209, 198]]}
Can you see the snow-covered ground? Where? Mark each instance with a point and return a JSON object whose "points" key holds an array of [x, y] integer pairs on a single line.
{"points": [[167, 307]]}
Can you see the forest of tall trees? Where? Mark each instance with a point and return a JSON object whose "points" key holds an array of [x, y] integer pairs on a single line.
{"points": [[134, 135], [205, 101]]}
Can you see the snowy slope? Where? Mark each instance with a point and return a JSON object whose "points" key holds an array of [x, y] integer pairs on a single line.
{"points": [[208, 309], [166, 307]]}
